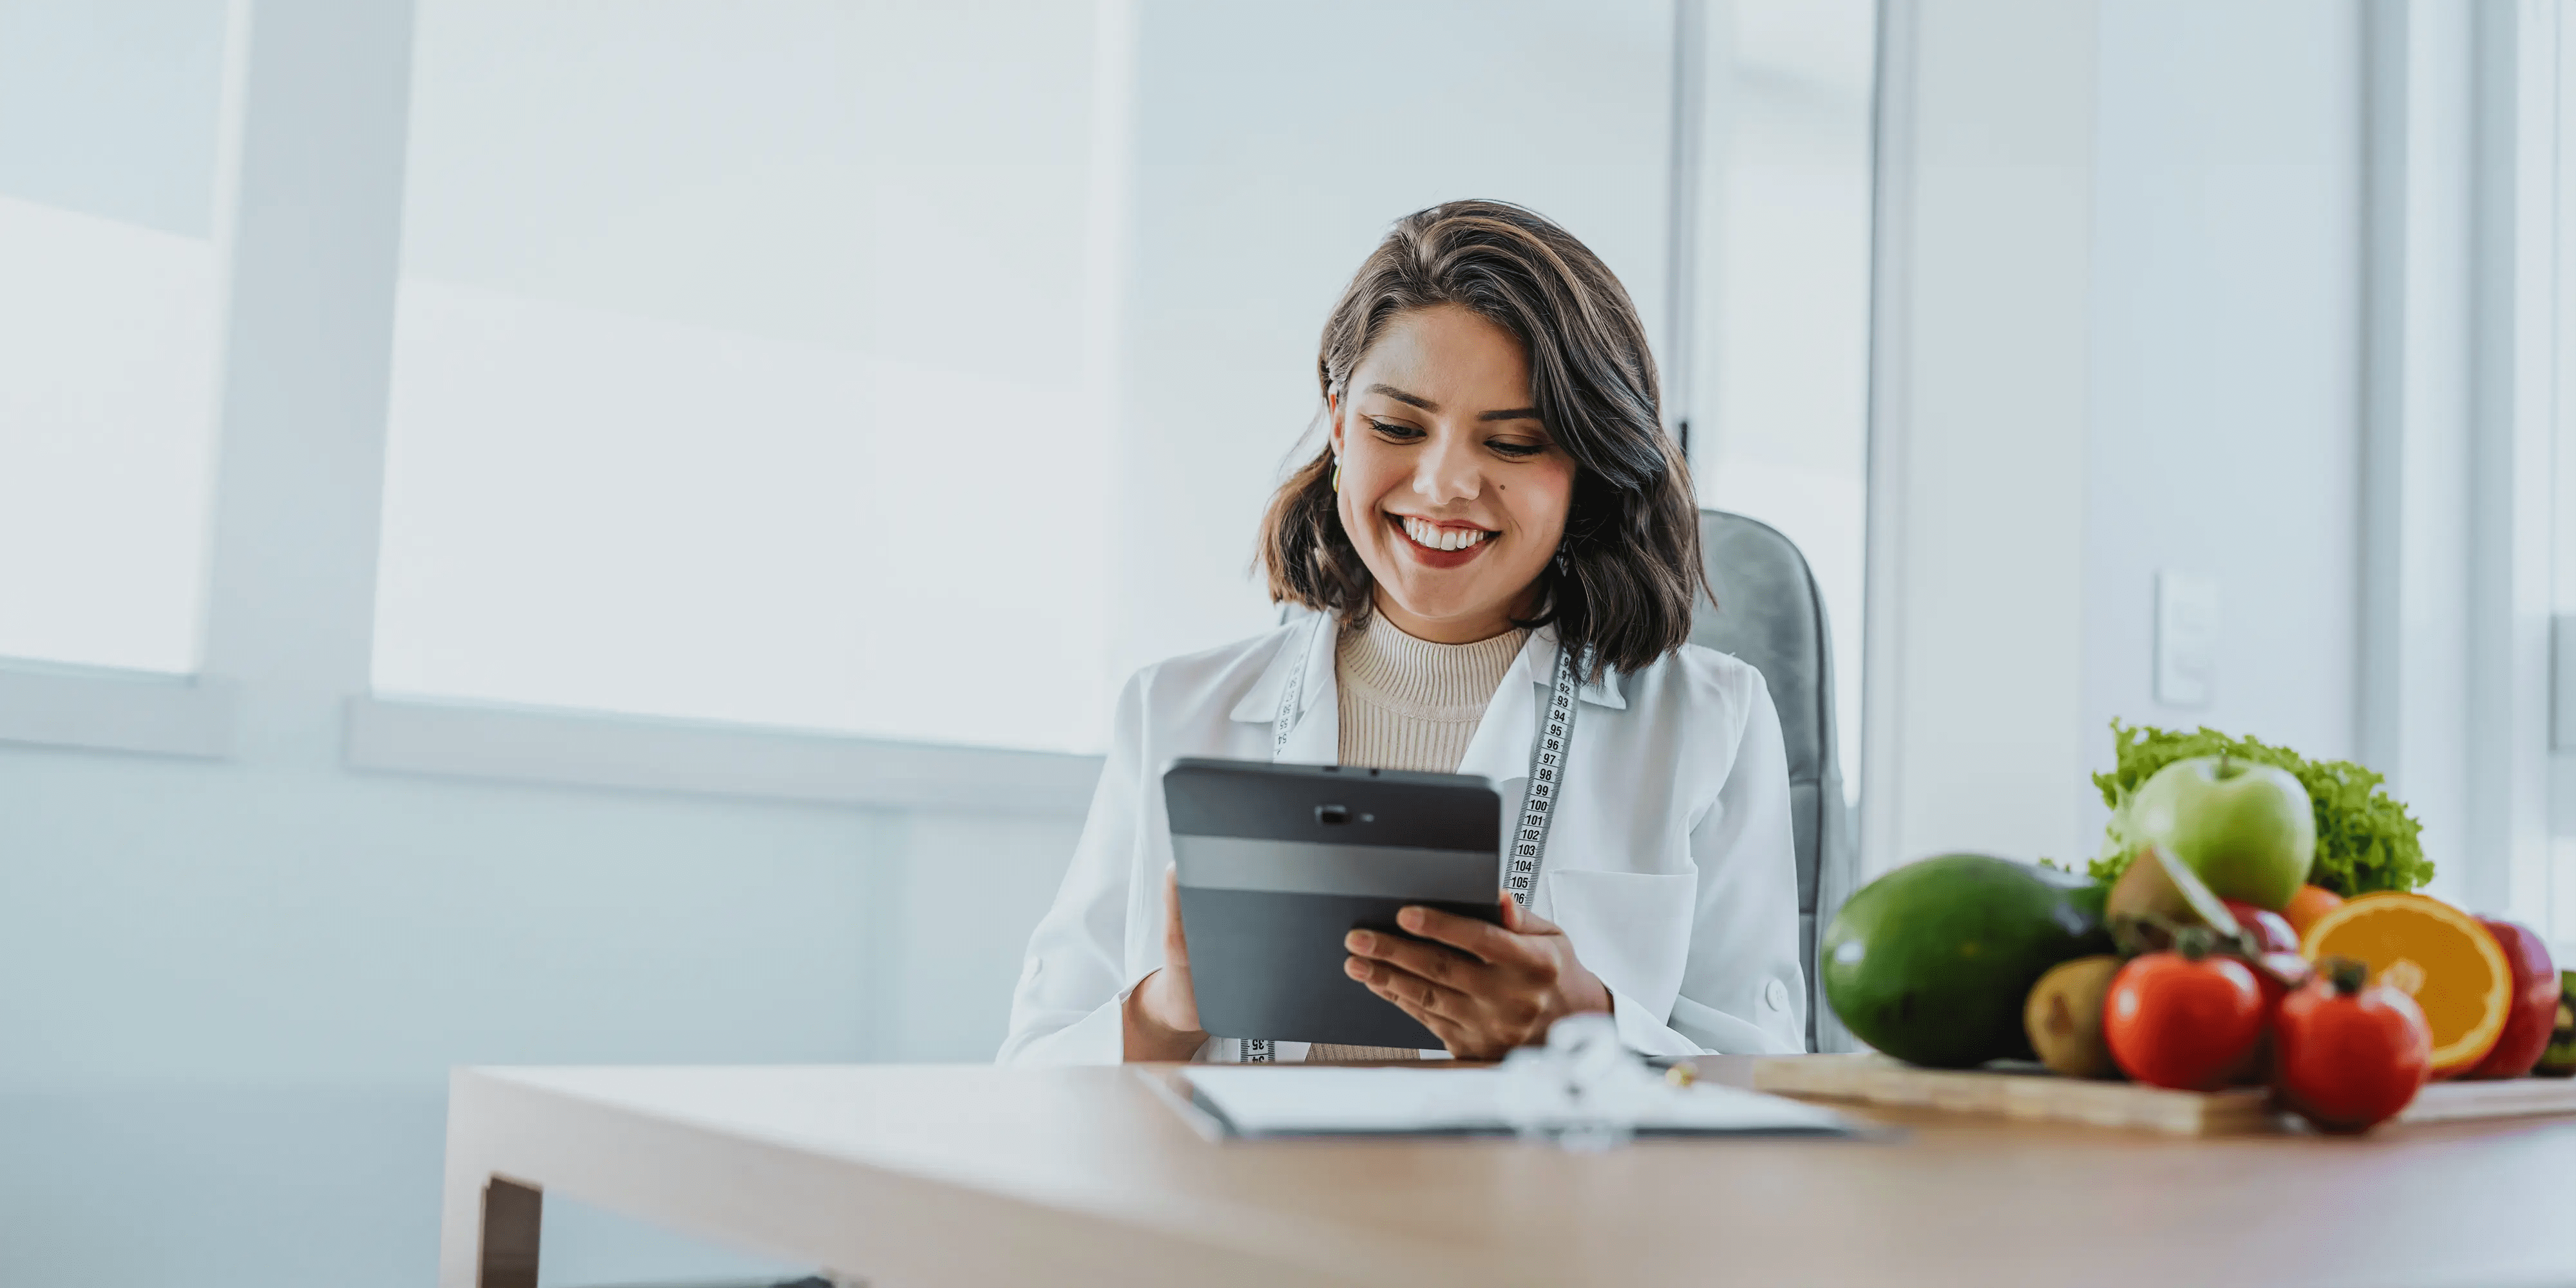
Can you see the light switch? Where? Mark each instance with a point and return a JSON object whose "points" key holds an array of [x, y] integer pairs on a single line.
{"points": [[2186, 639]]}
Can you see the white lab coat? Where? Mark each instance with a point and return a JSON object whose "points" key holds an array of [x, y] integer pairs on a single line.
{"points": [[1668, 862]]}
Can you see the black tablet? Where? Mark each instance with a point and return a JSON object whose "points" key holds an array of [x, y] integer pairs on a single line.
{"points": [[1278, 862]]}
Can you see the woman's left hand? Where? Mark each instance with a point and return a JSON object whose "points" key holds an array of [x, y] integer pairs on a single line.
{"points": [[1512, 982]]}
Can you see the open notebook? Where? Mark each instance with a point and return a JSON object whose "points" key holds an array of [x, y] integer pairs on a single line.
{"points": [[1254, 1100]]}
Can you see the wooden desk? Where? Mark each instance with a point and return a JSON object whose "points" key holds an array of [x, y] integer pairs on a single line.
{"points": [[920, 1175]]}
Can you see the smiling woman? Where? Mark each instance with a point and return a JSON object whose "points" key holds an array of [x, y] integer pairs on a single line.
{"points": [[1410, 475], [1434, 387], [1496, 513]]}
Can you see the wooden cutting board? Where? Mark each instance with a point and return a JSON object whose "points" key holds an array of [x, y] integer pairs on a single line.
{"points": [[2032, 1094]]}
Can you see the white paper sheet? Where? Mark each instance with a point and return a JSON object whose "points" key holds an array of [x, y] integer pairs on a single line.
{"points": [[1251, 1100]]}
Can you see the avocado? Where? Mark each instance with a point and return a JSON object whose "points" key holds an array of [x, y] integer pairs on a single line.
{"points": [[2559, 1061], [1932, 962]]}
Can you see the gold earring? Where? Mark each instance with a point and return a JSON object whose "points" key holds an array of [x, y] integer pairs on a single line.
{"points": [[1337, 474]]}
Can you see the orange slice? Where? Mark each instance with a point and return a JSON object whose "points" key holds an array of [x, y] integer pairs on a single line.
{"points": [[2439, 954]]}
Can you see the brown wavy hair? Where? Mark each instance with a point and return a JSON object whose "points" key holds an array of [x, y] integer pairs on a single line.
{"points": [[1631, 563]]}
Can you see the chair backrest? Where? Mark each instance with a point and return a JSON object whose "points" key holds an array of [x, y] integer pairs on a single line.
{"points": [[1769, 614]]}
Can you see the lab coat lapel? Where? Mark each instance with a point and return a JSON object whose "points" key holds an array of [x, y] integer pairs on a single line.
{"points": [[1500, 749]]}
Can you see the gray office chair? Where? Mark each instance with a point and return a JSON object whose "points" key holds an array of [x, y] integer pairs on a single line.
{"points": [[1769, 613]]}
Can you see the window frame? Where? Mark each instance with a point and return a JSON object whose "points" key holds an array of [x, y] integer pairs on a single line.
{"points": [[2522, 351], [2545, 162], [704, 757], [93, 708]]}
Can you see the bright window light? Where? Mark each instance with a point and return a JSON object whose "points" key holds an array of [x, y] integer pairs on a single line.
{"points": [[916, 370], [110, 303], [739, 369], [1782, 428]]}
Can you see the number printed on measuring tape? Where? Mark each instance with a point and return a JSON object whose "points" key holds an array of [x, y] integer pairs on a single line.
{"points": [[1547, 763]]}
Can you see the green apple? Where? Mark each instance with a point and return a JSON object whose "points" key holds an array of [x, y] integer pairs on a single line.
{"points": [[2247, 829]]}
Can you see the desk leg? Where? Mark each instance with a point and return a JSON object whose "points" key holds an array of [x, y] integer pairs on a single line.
{"points": [[513, 1217], [492, 1201]]}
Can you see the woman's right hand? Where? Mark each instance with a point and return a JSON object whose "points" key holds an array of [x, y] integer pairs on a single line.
{"points": [[1162, 1012]]}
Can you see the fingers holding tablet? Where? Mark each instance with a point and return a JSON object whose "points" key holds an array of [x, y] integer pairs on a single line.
{"points": [[1410, 991], [1483, 989], [1430, 961], [1447, 1012], [1482, 940]]}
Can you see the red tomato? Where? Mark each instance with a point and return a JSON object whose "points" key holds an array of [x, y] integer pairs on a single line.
{"points": [[2278, 975], [2528, 1025], [2183, 1019], [2349, 1056], [2272, 933]]}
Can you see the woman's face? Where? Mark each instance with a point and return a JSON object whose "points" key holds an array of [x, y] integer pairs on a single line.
{"points": [[1452, 490]]}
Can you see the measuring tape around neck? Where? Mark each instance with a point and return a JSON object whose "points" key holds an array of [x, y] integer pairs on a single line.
{"points": [[1548, 753], [1547, 773]]}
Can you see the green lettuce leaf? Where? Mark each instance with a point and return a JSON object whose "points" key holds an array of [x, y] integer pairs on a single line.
{"points": [[2366, 840]]}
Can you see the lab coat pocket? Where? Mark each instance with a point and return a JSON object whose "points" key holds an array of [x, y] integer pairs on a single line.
{"points": [[1631, 928]]}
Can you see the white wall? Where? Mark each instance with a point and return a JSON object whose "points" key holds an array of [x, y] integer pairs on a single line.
{"points": [[2124, 247], [2226, 378]]}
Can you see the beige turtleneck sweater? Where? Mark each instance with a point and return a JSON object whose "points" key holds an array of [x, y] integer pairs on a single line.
{"points": [[1412, 704]]}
